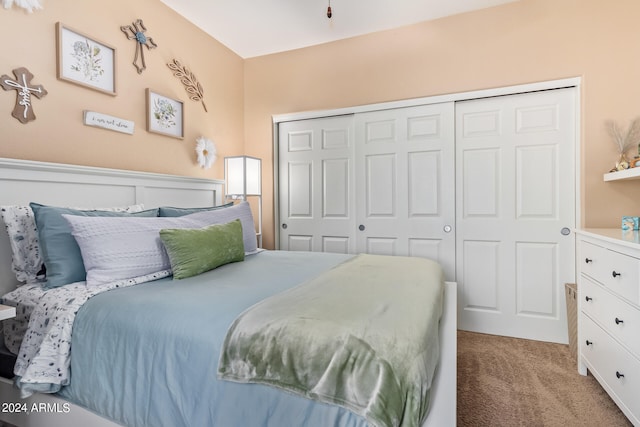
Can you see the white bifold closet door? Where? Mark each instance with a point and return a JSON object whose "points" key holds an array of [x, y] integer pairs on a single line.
{"points": [[378, 182], [515, 173]]}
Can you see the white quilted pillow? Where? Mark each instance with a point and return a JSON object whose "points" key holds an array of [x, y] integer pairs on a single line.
{"points": [[122, 248]]}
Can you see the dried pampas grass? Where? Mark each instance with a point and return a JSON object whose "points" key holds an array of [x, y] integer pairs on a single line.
{"points": [[624, 141]]}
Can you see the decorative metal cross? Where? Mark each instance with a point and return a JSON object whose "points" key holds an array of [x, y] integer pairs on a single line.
{"points": [[137, 30], [22, 85]]}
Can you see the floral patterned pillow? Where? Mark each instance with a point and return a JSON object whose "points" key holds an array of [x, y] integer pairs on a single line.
{"points": [[26, 261]]}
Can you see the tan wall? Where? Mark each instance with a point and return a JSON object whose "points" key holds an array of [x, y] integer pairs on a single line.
{"points": [[523, 42], [59, 135]]}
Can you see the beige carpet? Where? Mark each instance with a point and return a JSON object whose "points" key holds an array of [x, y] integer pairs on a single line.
{"points": [[512, 382]]}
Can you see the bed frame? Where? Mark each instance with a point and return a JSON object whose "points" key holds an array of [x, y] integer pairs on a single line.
{"points": [[24, 181]]}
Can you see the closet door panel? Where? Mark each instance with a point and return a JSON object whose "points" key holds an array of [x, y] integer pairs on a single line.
{"points": [[405, 183], [481, 273], [381, 245], [516, 194], [425, 248], [300, 190], [481, 183], [424, 174], [537, 175], [315, 166], [335, 188], [300, 243], [381, 186], [338, 245]]}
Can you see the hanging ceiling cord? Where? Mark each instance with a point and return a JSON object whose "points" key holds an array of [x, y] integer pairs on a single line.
{"points": [[329, 14]]}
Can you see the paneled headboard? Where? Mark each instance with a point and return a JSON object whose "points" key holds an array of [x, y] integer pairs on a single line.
{"points": [[23, 181]]}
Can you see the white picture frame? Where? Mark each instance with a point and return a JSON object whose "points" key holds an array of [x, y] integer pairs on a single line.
{"points": [[85, 61], [165, 115]]}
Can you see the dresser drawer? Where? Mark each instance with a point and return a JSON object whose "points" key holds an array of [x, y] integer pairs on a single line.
{"points": [[615, 367], [618, 272], [616, 316], [625, 276], [593, 261]]}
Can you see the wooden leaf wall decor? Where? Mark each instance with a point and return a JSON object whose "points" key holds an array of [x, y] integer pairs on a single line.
{"points": [[191, 85]]}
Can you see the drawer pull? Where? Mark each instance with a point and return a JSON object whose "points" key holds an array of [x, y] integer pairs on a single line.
{"points": [[616, 274], [589, 342], [587, 260], [618, 321], [619, 375], [587, 299]]}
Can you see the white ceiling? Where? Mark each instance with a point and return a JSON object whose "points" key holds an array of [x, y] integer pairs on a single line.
{"points": [[260, 27]]}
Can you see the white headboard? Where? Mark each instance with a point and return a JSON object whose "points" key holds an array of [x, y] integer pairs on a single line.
{"points": [[23, 181]]}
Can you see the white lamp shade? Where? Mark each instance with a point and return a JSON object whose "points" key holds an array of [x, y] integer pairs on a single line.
{"points": [[243, 176]]}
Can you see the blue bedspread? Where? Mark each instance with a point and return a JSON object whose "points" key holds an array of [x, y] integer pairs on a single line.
{"points": [[147, 355]]}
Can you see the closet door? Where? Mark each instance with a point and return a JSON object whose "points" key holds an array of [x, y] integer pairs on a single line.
{"points": [[405, 183], [515, 174], [316, 185]]}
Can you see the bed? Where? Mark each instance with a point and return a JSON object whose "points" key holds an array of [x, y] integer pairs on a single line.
{"points": [[244, 286]]}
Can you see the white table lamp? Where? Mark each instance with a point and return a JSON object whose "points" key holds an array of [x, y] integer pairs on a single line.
{"points": [[243, 178]]}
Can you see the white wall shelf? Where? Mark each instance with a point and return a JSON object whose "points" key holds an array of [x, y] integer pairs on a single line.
{"points": [[633, 173]]}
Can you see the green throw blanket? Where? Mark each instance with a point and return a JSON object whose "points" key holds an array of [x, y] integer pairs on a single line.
{"points": [[363, 335]]}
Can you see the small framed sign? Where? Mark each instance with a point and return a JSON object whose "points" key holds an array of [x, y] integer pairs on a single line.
{"points": [[104, 121], [165, 115], [85, 61]]}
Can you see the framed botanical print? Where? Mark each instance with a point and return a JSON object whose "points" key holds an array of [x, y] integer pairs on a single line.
{"points": [[85, 61], [165, 115]]}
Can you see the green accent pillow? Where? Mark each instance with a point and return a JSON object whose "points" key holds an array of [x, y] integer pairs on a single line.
{"points": [[193, 251]]}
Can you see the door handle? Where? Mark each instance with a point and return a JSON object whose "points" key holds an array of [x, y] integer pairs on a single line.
{"points": [[447, 229], [361, 227], [284, 226]]}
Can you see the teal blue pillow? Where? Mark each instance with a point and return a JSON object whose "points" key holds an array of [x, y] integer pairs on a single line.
{"points": [[60, 252], [195, 250], [173, 212]]}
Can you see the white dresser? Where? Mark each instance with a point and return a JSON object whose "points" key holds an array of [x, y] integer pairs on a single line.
{"points": [[609, 313]]}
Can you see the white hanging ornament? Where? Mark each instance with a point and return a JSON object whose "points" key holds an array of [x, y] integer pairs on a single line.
{"points": [[207, 152], [29, 5]]}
